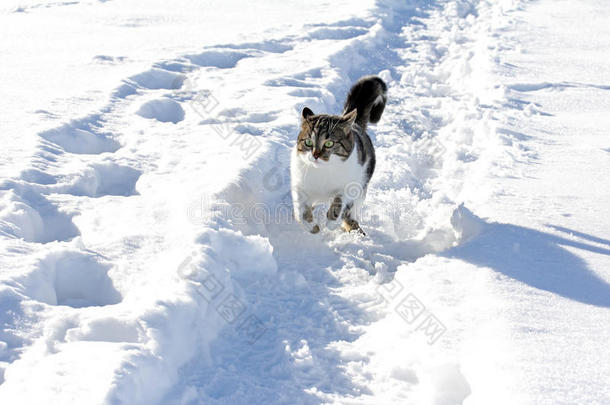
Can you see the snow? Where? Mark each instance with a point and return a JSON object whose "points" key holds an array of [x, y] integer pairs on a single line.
{"points": [[148, 250]]}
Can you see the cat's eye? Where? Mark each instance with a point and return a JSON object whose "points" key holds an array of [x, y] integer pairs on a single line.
{"points": [[308, 142], [329, 144]]}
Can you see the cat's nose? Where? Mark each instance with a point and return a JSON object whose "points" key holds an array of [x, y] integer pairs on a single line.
{"points": [[316, 154]]}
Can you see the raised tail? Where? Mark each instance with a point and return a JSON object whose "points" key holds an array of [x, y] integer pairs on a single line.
{"points": [[369, 96]]}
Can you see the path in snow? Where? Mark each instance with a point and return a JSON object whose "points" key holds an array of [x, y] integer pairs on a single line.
{"points": [[326, 291]]}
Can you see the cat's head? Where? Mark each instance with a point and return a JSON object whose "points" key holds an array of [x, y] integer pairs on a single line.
{"points": [[323, 135]]}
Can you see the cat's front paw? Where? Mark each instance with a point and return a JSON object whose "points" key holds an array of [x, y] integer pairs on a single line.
{"points": [[305, 213], [350, 225], [334, 214], [311, 227]]}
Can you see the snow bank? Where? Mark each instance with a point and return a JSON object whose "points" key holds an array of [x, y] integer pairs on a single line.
{"points": [[149, 254]]}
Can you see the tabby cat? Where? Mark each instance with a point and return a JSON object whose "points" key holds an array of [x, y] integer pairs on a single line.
{"points": [[334, 158]]}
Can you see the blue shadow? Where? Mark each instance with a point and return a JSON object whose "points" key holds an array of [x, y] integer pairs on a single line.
{"points": [[539, 259]]}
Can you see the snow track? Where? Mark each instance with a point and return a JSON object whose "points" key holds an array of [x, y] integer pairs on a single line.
{"points": [[150, 254]]}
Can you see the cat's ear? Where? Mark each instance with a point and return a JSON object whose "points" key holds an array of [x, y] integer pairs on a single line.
{"points": [[349, 118], [306, 113]]}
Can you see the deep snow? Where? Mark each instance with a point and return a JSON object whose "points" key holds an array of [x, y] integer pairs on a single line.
{"points": [[149, 254]]}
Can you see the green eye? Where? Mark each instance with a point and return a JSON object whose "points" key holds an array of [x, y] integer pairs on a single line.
{"points": [[308, 142], [329, 144]]}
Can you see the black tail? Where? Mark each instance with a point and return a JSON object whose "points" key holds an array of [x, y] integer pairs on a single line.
{"points": [[369, 96]]}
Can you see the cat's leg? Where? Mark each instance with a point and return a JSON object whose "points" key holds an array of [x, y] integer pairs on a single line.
{"points": [[308, 218], [334, 212], [303, 211], [349, 219]]}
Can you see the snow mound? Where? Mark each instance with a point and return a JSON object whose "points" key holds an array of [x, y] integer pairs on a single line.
{"points": [[158, 79], [222, 59], [30, 216], [81, 137], [106, 178], [164, 110], [255, 252]]}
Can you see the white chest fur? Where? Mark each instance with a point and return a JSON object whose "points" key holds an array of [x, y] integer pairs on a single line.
{"points": [[320, 180]]}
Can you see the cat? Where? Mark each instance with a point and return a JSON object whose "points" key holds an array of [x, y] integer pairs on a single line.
{"points": [[334, 159]]}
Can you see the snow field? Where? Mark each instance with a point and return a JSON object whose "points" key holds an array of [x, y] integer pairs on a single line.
{"points": [[150, 256]]}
